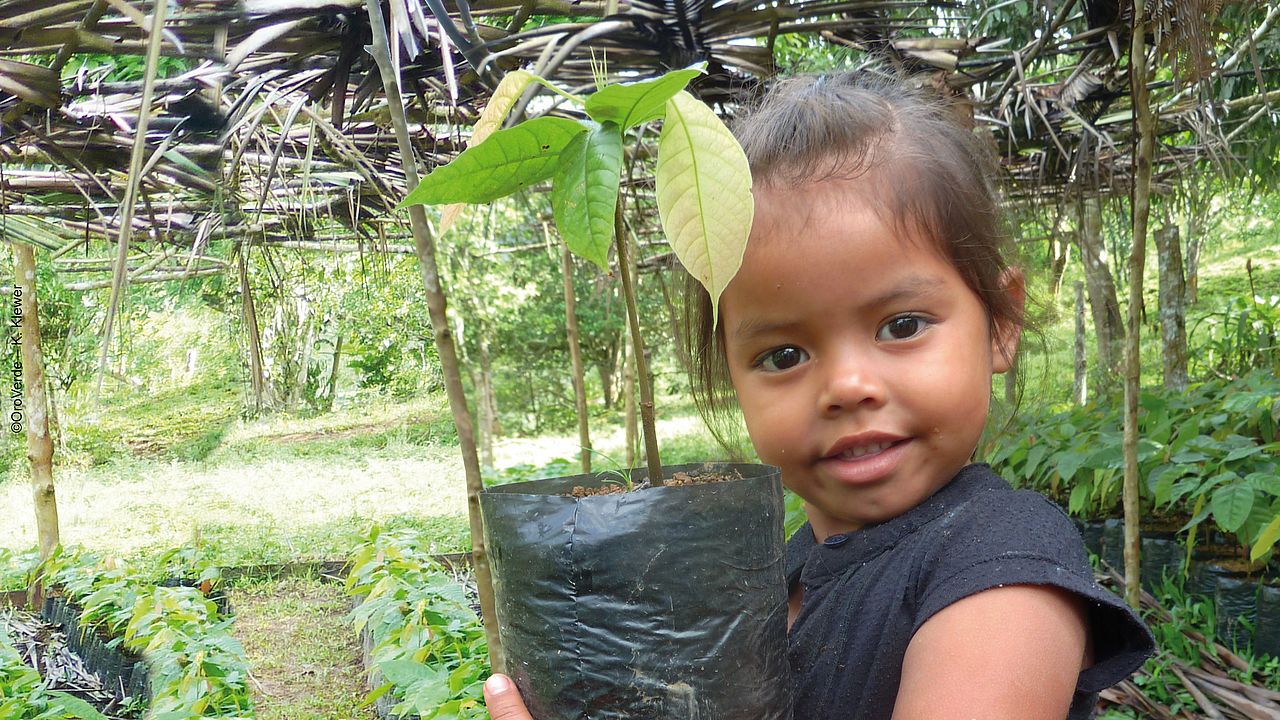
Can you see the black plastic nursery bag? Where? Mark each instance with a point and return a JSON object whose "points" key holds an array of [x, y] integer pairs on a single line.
{"points": [[663, 603]]}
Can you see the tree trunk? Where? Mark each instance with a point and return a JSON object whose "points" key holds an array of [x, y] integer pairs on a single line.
{"points": [[606, 383], [575, 357], [39, 442], [424, 245], [333, 372], [1080, 386], [488, 410], [1060, 260], [1143, 156], [1173, 308], [1195, 240], [1107, 325], [307, 329], [256, 376]]}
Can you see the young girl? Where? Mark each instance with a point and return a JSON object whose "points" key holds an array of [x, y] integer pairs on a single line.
{"points": [[859, 339]]}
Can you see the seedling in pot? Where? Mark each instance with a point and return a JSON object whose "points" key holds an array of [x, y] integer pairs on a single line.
{"points": [[702, 180]]}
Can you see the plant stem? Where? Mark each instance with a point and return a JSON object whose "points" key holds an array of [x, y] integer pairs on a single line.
{"points": [[437, 306], [575, 356], [625, 268]]}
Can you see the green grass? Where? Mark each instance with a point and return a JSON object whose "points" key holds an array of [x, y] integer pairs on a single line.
{"points": [[304, 656]]}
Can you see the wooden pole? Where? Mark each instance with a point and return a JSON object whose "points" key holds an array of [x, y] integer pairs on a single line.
{"points": [[39, 443], [1143, 156], [575, 357], [437, 306]]}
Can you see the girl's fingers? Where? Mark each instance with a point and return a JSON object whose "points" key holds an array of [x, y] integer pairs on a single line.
{"points": [[503, 700]]}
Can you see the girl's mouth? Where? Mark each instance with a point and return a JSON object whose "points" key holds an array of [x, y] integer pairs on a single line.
{"points": [[864, 450], [860, 460]]}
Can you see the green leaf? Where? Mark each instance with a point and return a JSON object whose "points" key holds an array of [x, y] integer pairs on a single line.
{"points": [[1079, 498], [405, 672], [1265, 540], [635, 103], [1242, 453], [1231, 505], [75, 707], [704, 194], [503, 99], [508, 161], [584, 192], [1068, 463]]}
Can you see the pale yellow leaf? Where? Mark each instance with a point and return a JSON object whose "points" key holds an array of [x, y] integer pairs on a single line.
{"points": [[703, 188]]}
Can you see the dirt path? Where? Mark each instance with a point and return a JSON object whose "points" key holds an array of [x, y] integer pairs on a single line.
{"points": [[304, 658]]}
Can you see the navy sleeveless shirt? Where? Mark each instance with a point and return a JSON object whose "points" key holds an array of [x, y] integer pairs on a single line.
{"points": [[868, 591]]}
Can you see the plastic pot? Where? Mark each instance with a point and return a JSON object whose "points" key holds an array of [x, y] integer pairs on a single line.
{"points": [[1113, 543], [1236, 599], [1162, 555], [1266, 638], [1091, 534], [654, 604]]}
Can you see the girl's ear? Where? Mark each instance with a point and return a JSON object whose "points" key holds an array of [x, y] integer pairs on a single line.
{"points": [[1005, 333]]}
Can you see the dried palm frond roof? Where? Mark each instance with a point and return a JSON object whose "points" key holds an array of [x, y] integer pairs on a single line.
{"points": [[269, 124]]}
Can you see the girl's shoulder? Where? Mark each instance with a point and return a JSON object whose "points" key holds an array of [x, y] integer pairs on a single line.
{"points": [[1001, 536]]}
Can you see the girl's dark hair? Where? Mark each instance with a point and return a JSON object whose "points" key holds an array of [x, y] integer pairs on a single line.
{"points": [[931, 176]]}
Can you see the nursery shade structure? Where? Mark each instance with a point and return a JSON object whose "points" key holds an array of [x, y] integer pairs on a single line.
{"points": [[268, 125]]}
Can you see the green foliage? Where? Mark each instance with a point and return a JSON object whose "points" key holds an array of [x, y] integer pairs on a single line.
{"points": [[197, 669], [584, 194], [427, 642], [16, 569], [23, 694], [1208, 452], [508, 161], [1242, 335]]}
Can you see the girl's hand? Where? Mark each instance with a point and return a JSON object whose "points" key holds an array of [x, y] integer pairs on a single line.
{"points": [[503, 700]]}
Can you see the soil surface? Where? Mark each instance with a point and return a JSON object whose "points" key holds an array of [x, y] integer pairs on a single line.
{"points": [[680, 478], [303, 655]]}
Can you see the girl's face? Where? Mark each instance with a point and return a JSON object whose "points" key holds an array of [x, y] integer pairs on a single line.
{"points": [[861, 359]]}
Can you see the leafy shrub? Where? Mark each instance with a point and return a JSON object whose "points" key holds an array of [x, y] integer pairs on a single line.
{"points": [[427, 642], [1242, 335], [1210, 451]]}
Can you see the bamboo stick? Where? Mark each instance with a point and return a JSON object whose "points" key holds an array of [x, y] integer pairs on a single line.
{"points": [[437, 306]]}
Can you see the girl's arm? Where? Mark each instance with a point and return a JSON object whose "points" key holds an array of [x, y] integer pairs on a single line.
{"points": [[1007, 653]]}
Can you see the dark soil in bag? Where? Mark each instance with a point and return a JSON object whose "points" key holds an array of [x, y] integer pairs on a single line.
{"points": [[656, 604]]}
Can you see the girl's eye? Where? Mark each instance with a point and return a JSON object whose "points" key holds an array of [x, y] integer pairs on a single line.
{"points": [[903, 327], [784, 358]]}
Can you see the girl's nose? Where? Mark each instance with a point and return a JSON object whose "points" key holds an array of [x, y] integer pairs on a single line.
{"points": [[850, 383]]}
